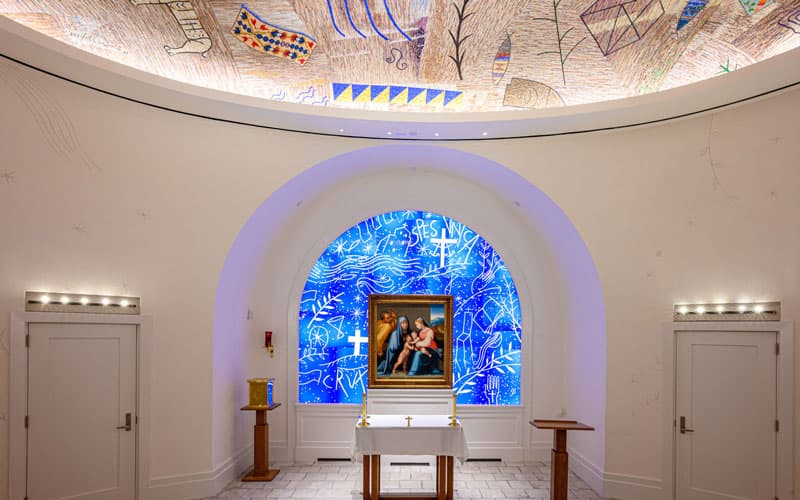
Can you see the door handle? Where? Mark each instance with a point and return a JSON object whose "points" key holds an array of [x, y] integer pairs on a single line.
{"points": [[683, 428], [128, 425]]}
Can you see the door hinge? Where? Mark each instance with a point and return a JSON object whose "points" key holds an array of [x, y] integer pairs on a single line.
{"points": [[777, 349], [26, 421], [777, 425], [27, 340]]}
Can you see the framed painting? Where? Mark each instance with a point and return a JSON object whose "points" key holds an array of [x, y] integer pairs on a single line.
{"points": [[410, 341]]}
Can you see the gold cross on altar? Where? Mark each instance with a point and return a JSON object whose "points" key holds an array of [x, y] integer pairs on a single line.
{"points": [[409, 419]]}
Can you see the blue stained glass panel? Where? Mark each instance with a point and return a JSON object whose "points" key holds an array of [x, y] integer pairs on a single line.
{"points": [[410, 252]]}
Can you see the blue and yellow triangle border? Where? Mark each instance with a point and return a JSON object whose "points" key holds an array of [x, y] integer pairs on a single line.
{"points": [[396, 94]]}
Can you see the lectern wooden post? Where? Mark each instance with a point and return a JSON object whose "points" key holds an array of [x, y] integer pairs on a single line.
{"points": [[559, 468], [261, 470]]}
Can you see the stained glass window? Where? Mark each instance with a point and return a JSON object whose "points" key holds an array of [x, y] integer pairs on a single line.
{"points": [[410, 252]]}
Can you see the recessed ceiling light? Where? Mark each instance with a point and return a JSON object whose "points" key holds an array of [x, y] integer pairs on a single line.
{"points": [[45, 299], [759, 309], [683, 310], [341, 130], [105, 301], [388, 133], [84, 300], [64, 299], [485, 133], [436, 134]]}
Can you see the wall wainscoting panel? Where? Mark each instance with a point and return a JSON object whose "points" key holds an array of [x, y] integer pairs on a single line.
{"points": [[327, 431]]}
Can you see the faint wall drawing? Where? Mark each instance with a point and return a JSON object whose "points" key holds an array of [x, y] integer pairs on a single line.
{"points": [[8, 176], [791, 22], [502, 59], [522, 93], [562, 57], [271, 39], [396, 58], [460, 38], [615, 24], [197, 39], [53, 122]]}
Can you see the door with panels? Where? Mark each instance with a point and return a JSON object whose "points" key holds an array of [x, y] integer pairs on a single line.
{"points": [[81, 411], [725, 415]]}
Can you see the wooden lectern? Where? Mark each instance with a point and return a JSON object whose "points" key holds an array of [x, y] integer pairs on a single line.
{"points": [[559, 468], [261, 470]]}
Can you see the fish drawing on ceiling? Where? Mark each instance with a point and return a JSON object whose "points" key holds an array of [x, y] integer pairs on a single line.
{"points": [[692, 8], [502, 59]]}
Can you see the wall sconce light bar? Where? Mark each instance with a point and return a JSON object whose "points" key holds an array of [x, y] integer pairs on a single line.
{"points": [[748, 311], [81, 303]]}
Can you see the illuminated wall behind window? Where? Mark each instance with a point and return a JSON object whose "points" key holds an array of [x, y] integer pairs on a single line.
{"points": [[410, 252]]}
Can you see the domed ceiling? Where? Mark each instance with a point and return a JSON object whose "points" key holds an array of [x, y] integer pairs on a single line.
{"points": [[424, 55]]}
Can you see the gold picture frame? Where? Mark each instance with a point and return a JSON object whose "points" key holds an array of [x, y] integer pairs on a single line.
{"points": [[414, 353]]}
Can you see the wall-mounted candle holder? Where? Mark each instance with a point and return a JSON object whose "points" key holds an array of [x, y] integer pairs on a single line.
{"points": [[268, 343]]}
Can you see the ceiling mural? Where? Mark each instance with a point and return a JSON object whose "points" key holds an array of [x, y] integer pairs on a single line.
{"points": [[425, 55]]}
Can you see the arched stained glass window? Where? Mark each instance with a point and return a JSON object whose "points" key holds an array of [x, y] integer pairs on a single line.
{"points": [[410, 252]]}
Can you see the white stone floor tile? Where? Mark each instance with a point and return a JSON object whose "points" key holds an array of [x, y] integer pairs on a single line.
{"points": [[342, 481]]}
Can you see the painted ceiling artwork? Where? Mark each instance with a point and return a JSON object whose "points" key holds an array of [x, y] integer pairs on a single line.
{"points": [[425, 55], [410, 252]]}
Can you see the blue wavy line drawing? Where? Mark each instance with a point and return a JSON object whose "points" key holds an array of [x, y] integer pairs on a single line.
{"points": [[321, 102], [394, 22], [279, 96], [333, 20], [307, 94], [372, 22], [350, 18]]}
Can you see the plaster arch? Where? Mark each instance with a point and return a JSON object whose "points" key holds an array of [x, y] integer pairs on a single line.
{"points": [[559, 288]]}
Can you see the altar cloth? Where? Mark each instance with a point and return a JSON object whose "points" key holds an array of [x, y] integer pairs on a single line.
{"points": [[427, 435]]}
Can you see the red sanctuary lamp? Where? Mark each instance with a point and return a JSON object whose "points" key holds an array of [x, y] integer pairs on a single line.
{"points": [[268, 343]]}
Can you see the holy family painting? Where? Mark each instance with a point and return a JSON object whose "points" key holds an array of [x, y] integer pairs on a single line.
{"points": [[410, 341]]}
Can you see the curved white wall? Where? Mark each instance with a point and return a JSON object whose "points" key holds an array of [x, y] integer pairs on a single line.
{"points": [[108, 195], [538, 243]]}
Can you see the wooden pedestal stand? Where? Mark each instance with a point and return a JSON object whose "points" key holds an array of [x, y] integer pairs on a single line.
{"points": [[559, 474], [261, 470]]}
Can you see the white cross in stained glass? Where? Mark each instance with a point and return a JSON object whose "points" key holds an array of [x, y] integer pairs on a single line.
{"points": [[357, 339], [442, 242]]}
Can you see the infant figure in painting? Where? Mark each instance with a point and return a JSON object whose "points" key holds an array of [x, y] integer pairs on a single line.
{"points": [[409, 345], [426, 338]]}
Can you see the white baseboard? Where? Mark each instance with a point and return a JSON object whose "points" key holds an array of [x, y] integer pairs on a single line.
{"points": [[624, 487], [587, 471], [201, 484]]}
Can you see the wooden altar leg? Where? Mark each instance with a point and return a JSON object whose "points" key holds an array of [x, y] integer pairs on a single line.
{"points": [[449, 460], [375, 488], [441, 478], [261, 471], [365, 481], [559, 473]]}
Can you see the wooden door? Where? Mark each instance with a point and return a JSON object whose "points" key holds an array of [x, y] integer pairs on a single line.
{"points": [[726, 396], [81, 387]]}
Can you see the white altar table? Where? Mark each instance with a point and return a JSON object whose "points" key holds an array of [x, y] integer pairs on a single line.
{"points": [[425, 435]]}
